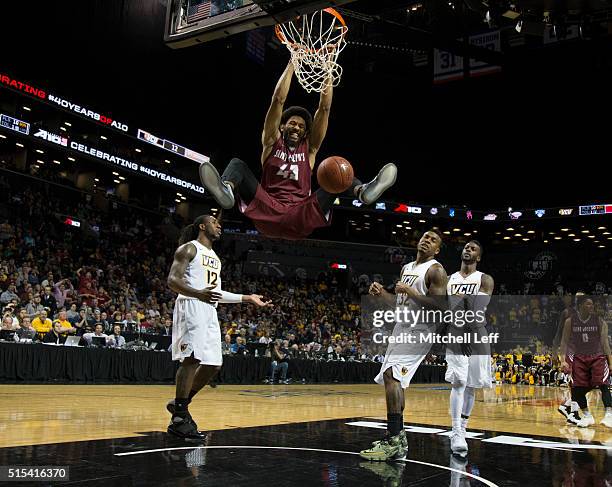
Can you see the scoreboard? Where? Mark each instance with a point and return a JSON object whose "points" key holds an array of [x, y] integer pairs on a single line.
{"points": [[172, 147], [15, 124]]}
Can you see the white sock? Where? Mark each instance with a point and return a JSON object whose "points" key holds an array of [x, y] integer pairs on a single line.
{"points": [[456, 404], [468, 401]]}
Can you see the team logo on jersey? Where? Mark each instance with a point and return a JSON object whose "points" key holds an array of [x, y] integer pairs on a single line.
{"points": [[404, 370], [184, 346], [211, 262], [409, 279], [463, 288]]}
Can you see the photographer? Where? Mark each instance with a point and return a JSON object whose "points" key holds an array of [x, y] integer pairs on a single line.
{"points": [[279, 361]]}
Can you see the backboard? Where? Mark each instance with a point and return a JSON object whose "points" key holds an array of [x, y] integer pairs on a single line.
{"points": [[190, 22]]}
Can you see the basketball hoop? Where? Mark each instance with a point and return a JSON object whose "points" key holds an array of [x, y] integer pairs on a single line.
{"points": [[315, 41]]}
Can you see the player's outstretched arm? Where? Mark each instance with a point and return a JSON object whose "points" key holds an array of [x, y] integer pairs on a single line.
{"points": [[273, 117], [256, 299], [320, 122], [183, 255]]}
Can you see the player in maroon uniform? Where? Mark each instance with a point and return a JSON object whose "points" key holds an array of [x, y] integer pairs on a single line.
{"points": [[569, 311], [281, 205], [585, 342]]}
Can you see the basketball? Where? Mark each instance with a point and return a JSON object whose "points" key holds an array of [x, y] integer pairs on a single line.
{"points": [[335, 174]]}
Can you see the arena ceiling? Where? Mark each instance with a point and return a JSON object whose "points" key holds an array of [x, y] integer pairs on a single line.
{"points": [[530, 135]]}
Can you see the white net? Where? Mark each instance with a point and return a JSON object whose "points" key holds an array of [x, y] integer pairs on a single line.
{"points": [[315, 41]]}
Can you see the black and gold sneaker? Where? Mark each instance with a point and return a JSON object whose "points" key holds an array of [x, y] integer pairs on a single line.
{"points": [[183, 426]]}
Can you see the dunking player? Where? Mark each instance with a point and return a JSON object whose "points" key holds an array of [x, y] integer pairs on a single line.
{"points": [[422, 285], [196, 336], [281, 205], [467, 372], [585, 344]]}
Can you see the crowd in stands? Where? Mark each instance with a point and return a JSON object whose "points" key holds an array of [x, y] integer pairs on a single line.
{"points": [[57, 281], [109, 279], [524, 366]]}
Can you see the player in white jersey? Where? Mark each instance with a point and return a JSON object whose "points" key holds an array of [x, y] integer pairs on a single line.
{"points": [[421, 282], [465, 371], [196, 336]]}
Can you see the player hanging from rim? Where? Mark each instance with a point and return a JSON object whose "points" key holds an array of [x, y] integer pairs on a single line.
{"points": [[465, 371], [196, 336], [281, 205], [422, 286], [585, 351]]}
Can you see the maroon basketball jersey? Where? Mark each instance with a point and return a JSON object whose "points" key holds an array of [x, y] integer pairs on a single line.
{"points": [[585, 336], [286, 173]]}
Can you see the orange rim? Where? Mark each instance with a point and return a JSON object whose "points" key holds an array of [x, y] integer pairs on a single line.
{"points": [[329, 10]]}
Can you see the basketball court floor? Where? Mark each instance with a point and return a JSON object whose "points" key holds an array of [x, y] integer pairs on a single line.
{"points": [[297, 435]]}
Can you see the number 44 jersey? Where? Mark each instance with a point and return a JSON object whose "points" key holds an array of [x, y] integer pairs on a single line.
{"points": [[283, 206]]}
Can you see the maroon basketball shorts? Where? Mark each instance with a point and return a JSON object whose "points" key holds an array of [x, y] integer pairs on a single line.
{"points": [[590, 370], [275, 219]]}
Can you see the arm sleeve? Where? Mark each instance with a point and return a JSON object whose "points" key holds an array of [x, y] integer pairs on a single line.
{"points": [[227, 297]]}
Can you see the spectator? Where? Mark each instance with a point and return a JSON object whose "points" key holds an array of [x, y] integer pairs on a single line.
{"points": [[103, 297], [166, 328], [130, 324], [7, 323], [26, 329], [83, 322], [116, 340], [104, 321], [34, 308], [21, 316], [265, 338], [87, 293], [9, 295], [98, 332], [226, 346], [61, 291], [48, 301], [239, 348], [66, 326], [55, 335], [72, 313], [41, 323]]}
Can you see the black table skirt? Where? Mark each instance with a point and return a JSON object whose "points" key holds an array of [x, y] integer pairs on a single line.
{"points": [[44, 363]]}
